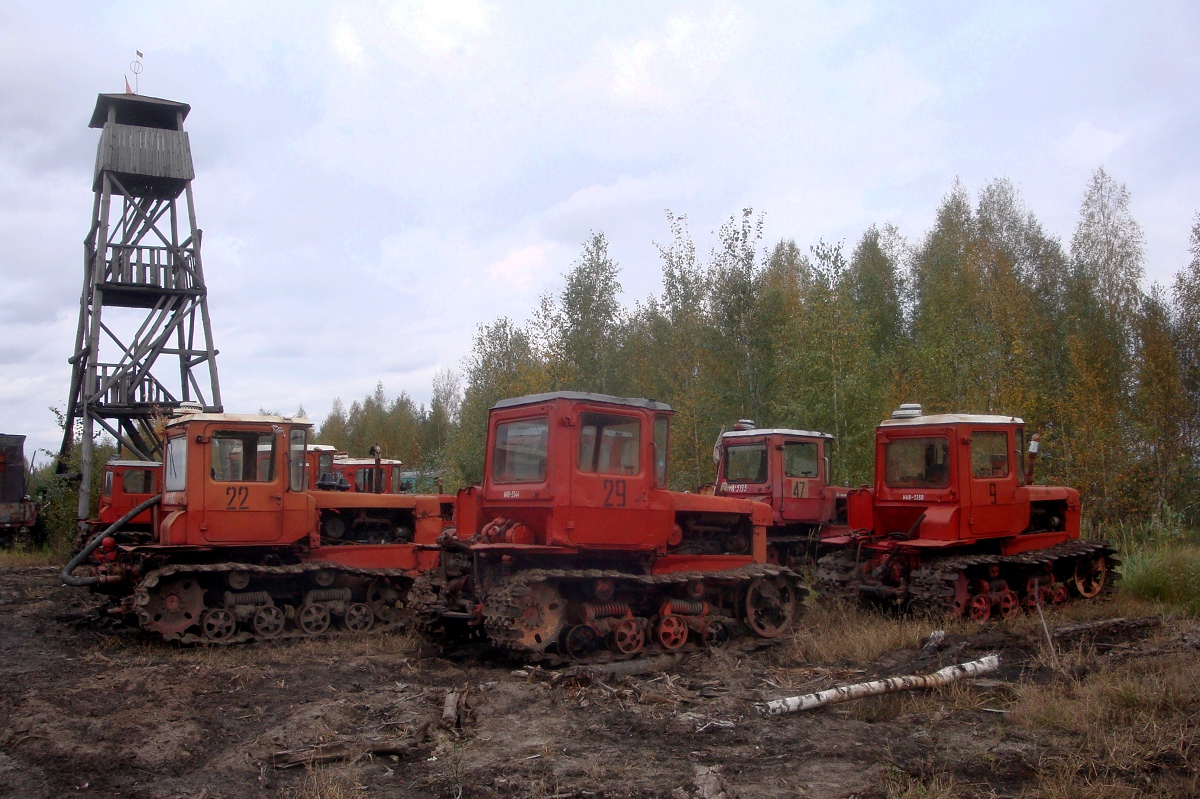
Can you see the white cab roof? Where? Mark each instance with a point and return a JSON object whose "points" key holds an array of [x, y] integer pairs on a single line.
{"points": [[772, 431], [951, 418]]}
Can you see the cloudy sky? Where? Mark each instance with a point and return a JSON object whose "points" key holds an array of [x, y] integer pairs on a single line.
{"points": [[375, 180]]}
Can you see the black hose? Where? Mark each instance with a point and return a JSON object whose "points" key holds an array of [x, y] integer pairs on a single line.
{"points": [[95, 542]]}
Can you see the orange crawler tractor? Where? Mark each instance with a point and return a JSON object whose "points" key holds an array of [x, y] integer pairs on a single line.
{"points": [[954, 526], [789, 470], [574, 549], [241, 548]]}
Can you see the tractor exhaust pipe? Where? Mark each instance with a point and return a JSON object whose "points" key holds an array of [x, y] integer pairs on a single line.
{"points": [[79, 582]]}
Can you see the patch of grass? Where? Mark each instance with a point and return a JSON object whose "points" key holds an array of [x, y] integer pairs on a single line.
{"points": [[1161, 559], [1167, 573], [901, 785], [20, 556], [318, 783], [1129, 729], [834, 632]]}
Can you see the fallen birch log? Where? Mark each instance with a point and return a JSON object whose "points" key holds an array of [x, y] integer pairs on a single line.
{"points": [[910, 682], [350, 750]]}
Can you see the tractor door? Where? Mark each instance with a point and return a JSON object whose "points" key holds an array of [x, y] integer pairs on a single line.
{"points": [[803, 499], [244, 492], [993, 479], [610, 482]]}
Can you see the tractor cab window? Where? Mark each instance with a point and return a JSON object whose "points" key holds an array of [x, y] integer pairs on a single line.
{"points": [[989, 454], [364, 480], [800, 459], [1019, 455], [243, 457], [519, 454], [324, 464], [661, 444], [918, 463], [138, 481], [175, 464], [395, 479], [609, 444], [108, 478], [296, 460], [746, 463]]}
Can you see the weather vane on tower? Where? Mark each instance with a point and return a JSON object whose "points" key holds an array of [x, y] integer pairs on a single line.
{"points": [[135, 66]]}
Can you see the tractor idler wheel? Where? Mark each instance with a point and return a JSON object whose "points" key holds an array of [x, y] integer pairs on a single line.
{"points": [[1010, 604], [1090, 576], [628, 637], [382, 598], [979, 608], [770, 606], [313, 619], [671, 632], [217, 624], [267, 622], [358, 618], [173, 606], [580, 641]]}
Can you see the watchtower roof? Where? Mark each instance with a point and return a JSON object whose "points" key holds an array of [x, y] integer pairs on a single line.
{"points": [[138, 109], [584, 396]]}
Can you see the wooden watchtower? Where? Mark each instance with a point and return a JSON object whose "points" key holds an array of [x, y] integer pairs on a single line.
{"points": [[144, 343]]}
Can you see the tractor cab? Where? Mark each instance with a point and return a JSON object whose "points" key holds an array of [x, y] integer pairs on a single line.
{"points": [[950, 478], [319, 463], [574, 469], [787, 469], [235, 480], [370, 476], [127, 484]]}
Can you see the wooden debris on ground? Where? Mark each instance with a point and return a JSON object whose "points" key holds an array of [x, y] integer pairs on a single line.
{"points": [[845, 693], [1108, 626], [351, 750]]}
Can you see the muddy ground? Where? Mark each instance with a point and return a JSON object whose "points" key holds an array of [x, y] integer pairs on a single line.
{"points": [[88, 709]]}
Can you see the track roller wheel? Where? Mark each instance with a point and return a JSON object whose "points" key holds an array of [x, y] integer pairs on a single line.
{"points": [[628, 637], [217, 624], [1090, 576], [770, 606], [716, 633], [267, 622], [1059, 593], [313, 619], [671, 632], [1038, 595], [1010, 604], [580, 641], [358, 618], [979, 608]]}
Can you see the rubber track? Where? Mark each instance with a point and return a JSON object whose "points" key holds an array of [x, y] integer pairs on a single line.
{"points": [[501, 610], [141, 596]]}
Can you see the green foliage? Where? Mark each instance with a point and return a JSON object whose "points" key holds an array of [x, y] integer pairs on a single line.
{"points": [[987, 313], [1161, 559]]}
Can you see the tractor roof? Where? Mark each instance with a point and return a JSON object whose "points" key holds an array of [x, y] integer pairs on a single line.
{"points": [[584, 396], [138, 464], [237, 418], [367, 462], [775, 431], [322, 448], [951, 418]]}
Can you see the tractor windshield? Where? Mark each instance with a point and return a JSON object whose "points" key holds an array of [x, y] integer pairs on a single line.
{"points": [[519, 455], [918, 462], [138, 481], [746, 463], [609, 444], [800, 459]]}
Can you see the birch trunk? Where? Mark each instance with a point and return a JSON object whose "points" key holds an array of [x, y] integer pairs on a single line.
{"points": [[910, 682]]}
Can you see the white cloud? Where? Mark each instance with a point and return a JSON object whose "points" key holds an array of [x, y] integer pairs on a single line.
{"points": [[1091, 146], [521, 266], [661, 70]]}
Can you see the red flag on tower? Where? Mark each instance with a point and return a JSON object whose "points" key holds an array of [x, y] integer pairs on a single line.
{"points": [[127, 89]]}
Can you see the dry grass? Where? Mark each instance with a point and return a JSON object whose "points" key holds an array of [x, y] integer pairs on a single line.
{"points": [[22, 557], [1130, 728], [834, 632], [900, 785], [319, 783]]}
